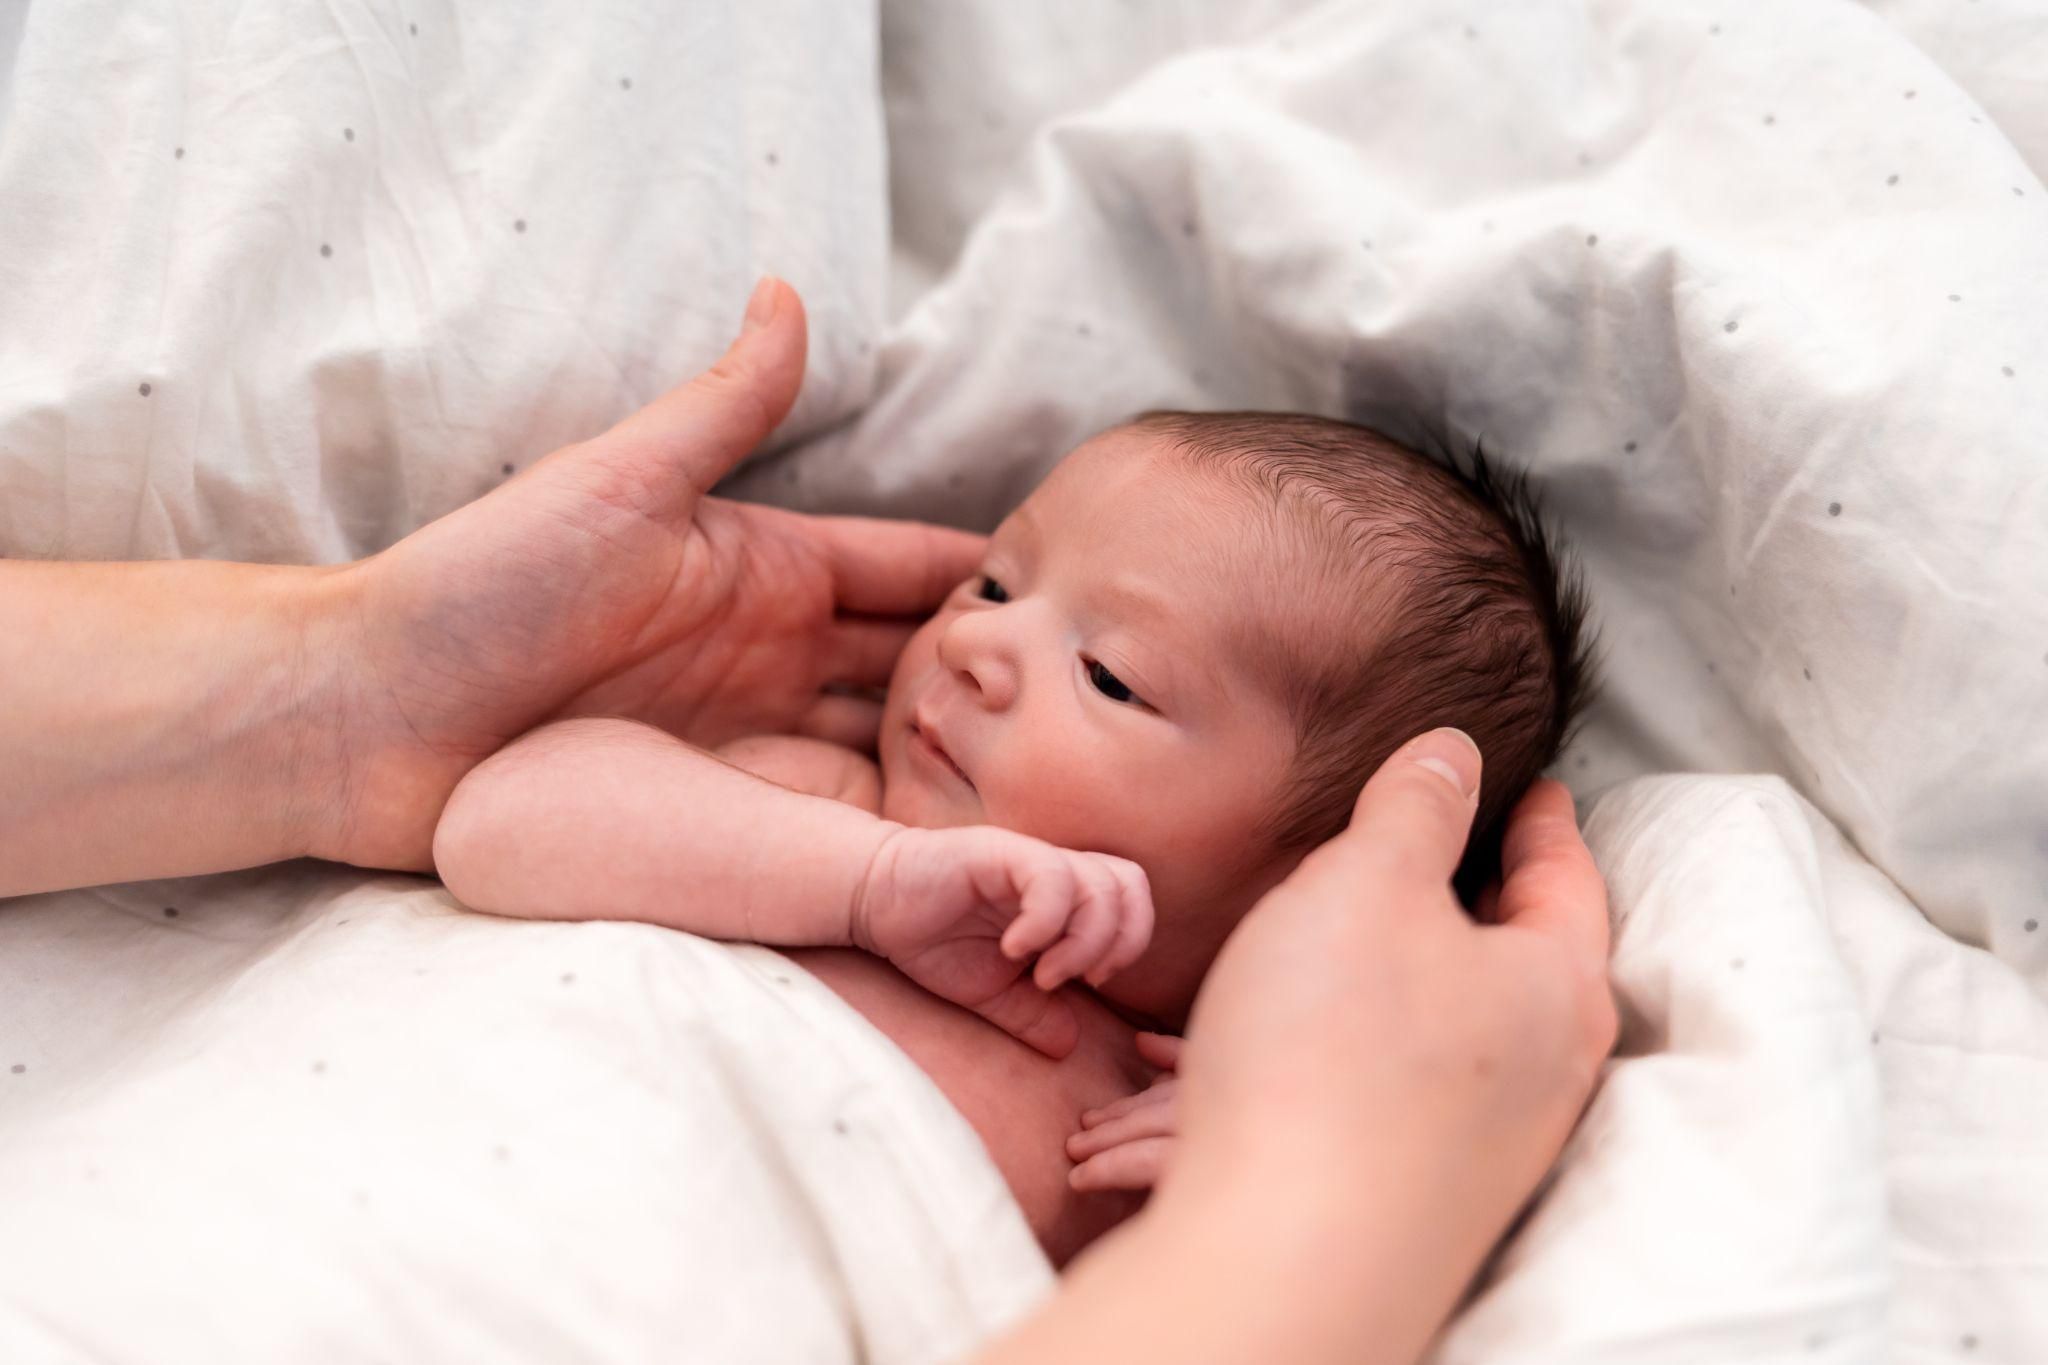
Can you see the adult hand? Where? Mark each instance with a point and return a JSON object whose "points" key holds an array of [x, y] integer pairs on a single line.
{"points": [[1371, 1087], [1359, 1029], [603, 581]]}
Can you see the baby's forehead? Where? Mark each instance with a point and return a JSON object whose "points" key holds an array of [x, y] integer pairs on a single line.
{"points": [[1142, 489], [1128, 501], [1242, 572]]}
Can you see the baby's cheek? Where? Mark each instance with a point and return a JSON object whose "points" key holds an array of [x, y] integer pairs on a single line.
{"points": [[1048, 788]]}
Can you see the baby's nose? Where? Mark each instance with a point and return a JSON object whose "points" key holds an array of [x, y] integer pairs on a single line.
{"points": [[976, 652]]}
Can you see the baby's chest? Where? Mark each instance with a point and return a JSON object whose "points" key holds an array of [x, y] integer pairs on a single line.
{"points": [[1023, 1104]]}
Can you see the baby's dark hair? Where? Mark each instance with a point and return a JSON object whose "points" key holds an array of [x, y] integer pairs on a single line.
{"points": [[1468, 613]]}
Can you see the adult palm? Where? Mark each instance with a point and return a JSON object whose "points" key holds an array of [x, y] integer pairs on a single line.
{"points": [[604, 581]]}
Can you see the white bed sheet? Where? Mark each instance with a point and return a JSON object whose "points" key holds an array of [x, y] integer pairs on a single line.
{"points": [[1754, 293]]}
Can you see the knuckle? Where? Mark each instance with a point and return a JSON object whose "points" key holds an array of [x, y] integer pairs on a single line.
{"points": [[732, 385]]}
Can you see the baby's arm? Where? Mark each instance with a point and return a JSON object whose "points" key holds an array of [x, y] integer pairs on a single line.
{"points": [[603, 818], [809, 765], [600, 818]]}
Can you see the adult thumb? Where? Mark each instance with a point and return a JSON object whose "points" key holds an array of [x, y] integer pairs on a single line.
{"points": [[1411, 821], [691, 437]]}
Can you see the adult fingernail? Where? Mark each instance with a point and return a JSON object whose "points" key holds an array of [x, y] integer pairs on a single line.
{"points": [[1451, 755], [761, 307]]}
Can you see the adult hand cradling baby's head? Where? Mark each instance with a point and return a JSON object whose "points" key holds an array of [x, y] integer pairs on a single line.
{"points": [[1359, 1026], [604, 581], [1371, 1085]]}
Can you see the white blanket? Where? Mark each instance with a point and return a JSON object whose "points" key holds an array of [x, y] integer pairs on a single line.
{"points": [[358, 1122], [1753, 291]]}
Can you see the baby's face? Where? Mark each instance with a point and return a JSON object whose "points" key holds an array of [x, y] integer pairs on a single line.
{"points": [[1083, 688]]}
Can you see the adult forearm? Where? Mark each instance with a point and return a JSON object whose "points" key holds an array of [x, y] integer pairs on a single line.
{"points": [[159, 720], [603, 818], [1229, 1273]]}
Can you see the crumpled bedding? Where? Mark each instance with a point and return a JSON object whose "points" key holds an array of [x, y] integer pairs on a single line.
{"points": [[1751, 292], [358, 1122]]}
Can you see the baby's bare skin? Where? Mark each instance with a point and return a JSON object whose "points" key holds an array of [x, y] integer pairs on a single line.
{"points": [[1071, 753], [1021, 1102]]}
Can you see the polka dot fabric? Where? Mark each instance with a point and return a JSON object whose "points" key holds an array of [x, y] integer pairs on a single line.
{"points": [[399, 1130], [357, 257], [1767, 333], [1751, 290]]}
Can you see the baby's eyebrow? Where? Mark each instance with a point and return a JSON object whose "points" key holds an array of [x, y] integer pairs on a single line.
{"points": [[1135, 601], [1025, 524], [1164, 651]]}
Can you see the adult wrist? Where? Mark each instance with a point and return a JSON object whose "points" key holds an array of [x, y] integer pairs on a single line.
{"points": [[1329, 1257], [1218, 1273], [195, 742], [305, 745]]}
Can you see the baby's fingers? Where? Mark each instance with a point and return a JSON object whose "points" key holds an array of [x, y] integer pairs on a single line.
{"points": [[1134, 922], [1133, 1166], [1160, 1091], [1046, 894], [1045, 1022], [1157, 1119], [1089, 931], [1161, 1050]]}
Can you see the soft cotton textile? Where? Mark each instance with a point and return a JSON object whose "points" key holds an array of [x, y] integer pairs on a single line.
{"points": [[1752, 291]]}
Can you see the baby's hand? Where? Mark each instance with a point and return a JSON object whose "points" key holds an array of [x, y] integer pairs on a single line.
{"points": [[1126, 1145], [961, 911]]}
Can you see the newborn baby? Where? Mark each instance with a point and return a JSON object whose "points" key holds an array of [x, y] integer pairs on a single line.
{"points": [[1181, 659]]}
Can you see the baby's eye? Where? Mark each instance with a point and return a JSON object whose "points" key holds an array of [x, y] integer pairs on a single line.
{"points": [[1108, 685], [991, 591]]}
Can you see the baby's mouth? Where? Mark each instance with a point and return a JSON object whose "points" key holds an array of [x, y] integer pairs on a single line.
{"points": [[934, 752]]}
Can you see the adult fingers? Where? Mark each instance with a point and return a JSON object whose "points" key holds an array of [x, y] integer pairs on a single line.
{"points": [[1548, 880], [851, 722], [862, 650], [894, 568], [1410, 823], [701, 429]]}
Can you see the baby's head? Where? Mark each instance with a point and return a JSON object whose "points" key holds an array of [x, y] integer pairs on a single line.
{"points": [[1203, 632]]}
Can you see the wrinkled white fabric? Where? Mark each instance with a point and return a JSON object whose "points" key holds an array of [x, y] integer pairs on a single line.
{"points": [[1753, 292], [344, 1119]]}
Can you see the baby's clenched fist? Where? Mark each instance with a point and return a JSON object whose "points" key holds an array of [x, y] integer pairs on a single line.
{"points": [[963, 911]]}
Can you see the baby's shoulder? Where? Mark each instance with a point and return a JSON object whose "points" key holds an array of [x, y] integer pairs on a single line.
{"points": [[811, 766]]}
